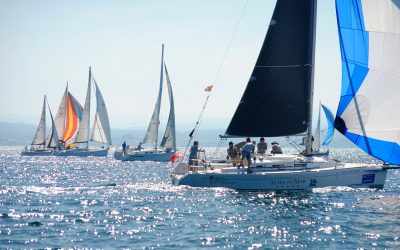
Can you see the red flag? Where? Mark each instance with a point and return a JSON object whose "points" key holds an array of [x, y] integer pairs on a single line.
{"points": [[208, 88], [173, 157]]}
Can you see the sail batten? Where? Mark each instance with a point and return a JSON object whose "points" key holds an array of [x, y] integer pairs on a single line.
{"points": [[369, 34], [277, 98], [151, 136], [169, 138]]}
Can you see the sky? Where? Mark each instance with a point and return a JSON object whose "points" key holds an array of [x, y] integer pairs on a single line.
{"points": [[43, 44]]}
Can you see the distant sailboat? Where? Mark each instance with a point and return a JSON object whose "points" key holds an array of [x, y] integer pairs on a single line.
{"points": [[167, 146], [278, 100], [42, 145], [78, 122], [328, 132]]}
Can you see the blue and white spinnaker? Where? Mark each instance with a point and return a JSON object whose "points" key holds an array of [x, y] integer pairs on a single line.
{"points": [[368, 112]]}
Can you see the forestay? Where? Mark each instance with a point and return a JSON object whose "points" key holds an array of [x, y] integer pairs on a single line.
{"points": [[368, 113]]}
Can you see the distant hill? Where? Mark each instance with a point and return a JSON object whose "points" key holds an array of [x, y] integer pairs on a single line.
{"points": [[16, 134], [20, 134]]}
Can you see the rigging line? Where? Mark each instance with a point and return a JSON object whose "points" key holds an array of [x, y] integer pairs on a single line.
{"points": [[231, 40], [217, 150], [223, 60], [193, 133], [294, 144]]}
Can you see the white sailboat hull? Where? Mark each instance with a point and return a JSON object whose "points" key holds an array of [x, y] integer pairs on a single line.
{"points": [[284, 175], [144, 155], [82, 152]]}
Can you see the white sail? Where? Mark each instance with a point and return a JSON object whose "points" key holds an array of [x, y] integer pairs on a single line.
{"points": [[52, 137], [60, 116], [151, 136], [169, 138], [40, 136], [317, 135], [101, 127], [84, 124]]}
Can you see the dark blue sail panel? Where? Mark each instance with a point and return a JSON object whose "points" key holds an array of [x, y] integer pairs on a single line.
{"points": [[369, 35], [277, 96]]}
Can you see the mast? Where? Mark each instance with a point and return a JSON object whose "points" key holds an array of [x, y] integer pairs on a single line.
{"points": [[44, 125], [160, 92], [309, 120], [84, 125], [316, 144], [88, 94], [65, 111]]}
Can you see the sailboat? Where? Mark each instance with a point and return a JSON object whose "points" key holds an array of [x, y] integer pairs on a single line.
{"points": [[167, 147], [317, 150], [42, 145], [279, 96], [75, 140]]}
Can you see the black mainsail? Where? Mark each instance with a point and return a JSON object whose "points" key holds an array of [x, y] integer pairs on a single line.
{"points": [[277, 98]]}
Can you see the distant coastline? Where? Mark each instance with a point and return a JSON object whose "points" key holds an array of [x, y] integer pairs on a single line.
{"points": [[20, 134]]}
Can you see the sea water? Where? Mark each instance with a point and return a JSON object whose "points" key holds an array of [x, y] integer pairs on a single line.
{"points": [[101, 203]]}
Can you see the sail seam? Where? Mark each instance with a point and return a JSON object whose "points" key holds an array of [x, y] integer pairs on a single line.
{"points": [[283, 66]]}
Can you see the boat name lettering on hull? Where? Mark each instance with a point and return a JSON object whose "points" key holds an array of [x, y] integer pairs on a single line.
{"points": [[288, 181]]}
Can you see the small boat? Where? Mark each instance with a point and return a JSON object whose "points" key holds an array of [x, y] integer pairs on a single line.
{"points": [[279, 97], [167, 147], [75, 125], [42, 145], [316, 148]]}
